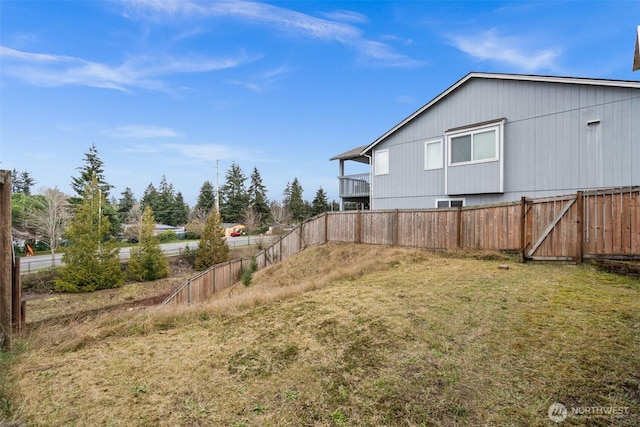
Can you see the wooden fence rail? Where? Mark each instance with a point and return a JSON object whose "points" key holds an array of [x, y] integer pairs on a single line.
{"points": [[588, 224]]}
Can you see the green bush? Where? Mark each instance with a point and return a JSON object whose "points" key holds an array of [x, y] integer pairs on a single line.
{"points": [[167, 236], [191, 235], [40, 282], [247, 273], [189, 255], [246, 276]]}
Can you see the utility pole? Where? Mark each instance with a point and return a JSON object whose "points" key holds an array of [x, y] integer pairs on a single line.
{"points": [[217, 186], [6, 260]]}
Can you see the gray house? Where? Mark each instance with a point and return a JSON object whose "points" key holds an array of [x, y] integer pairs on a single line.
{"points": [[493, 138]]}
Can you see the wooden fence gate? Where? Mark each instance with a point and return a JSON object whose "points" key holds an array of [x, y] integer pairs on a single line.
{"points": [[552, 228], [589, 224]]}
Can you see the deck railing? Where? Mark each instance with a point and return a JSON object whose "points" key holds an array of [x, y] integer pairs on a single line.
{"points": [[355, 185]]}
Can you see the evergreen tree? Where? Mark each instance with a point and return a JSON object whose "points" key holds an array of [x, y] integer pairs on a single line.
{"points": [[93, 167], [91, 261], [213, 247], [16, 184], [320, 203], [258, 198], [180, 211], [166, 200], [21, 182], [22, 206], [296, 204], [150, 198], [147, 262], [286, 195], [126, 203], [206, 198], [234, 197]]}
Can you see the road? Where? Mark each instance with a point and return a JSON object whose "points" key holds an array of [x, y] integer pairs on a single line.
{"points": [[33, 263]]}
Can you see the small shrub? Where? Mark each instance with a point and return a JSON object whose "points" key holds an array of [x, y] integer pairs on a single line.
{"points": [[40, 282], [191, 235], [167, 236], [189, 255], [246, 276]]}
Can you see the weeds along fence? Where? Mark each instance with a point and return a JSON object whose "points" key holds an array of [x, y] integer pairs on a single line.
{"points": [[584, 225]]}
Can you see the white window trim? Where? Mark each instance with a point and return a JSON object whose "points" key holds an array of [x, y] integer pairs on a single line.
{"points": [[441, 163], [375, 166], [452, 199], [498, 143]]}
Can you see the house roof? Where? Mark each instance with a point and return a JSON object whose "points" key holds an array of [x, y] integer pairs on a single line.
{"points": [[521, 77], [353, 154]]}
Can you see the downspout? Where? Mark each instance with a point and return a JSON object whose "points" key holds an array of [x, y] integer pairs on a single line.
{"points": [[370, 181]]}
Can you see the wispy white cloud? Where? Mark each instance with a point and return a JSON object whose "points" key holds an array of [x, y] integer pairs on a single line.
{"points": [[135, 72], [333, 29], [190, 153], [141, 132], [512, 51], [205, 152], [346, 16], [262, 82]]}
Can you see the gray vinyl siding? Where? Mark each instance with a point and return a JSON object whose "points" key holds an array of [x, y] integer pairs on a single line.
{"points": [[548, 147]]}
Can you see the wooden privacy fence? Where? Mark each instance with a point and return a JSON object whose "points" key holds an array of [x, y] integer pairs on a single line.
{"points": [[588, 224]]}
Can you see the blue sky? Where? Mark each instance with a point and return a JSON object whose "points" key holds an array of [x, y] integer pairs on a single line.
{"points": [[168, 87]]}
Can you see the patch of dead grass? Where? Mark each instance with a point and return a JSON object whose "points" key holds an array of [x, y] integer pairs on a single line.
{"points": [[351, 335]]}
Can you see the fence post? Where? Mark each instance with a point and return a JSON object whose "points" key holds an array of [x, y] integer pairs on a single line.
{"points": [[459, 228], [326, 227], [579, 226], [189, 292], [359, 227], [16, 297], [215, 271], [396, 228], [6, 252], [523, 213]]}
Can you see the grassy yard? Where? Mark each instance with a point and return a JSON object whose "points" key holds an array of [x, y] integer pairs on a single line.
{"points": [[350, 335]]}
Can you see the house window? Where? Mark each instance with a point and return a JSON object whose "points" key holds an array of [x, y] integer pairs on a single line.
{"points": [[382, 162], [449, 203], [433, 154], [478, 145]]}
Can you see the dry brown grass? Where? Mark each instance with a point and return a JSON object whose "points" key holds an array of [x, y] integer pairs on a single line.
{"points": [[350, 335]]}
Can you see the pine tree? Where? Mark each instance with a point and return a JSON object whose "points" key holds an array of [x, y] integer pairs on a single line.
{"points": [[258, 198], [206, 198], [16, 183], [296, 204], [91, 261], [213, 247], [150, 198], [234, 197], [21, 182], [126, 203], [93, 167], [166, 203], [180, 211], [320, 203], [147, 262]]}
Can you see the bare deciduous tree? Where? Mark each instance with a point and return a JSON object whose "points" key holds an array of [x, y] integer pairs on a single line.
{"points": [[51, 218], [252, 219], [133, 224], [280, 212], [197, 222]]}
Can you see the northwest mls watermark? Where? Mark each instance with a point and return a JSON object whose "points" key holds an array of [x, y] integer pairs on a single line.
{"points": [[558, 412]]}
